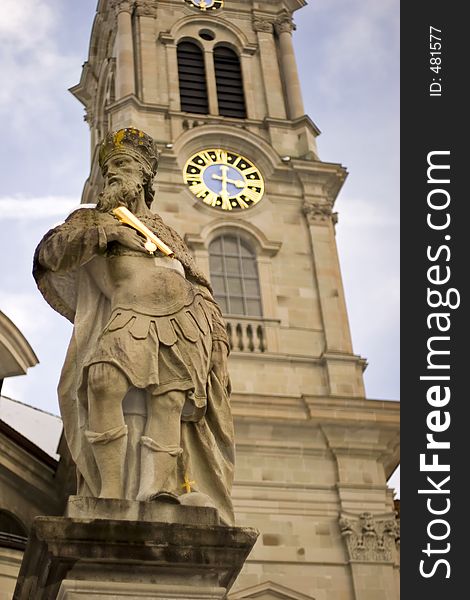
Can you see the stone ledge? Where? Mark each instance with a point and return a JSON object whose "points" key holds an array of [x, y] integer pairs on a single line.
{"points": [[97, 590], [126, 552], [81, 507]]}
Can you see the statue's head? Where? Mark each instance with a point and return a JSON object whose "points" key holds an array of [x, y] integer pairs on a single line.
{"points": [[129, 159]]}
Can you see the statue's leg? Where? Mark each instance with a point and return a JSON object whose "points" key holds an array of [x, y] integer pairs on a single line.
{"points": [[107, 386], [161, 446]]}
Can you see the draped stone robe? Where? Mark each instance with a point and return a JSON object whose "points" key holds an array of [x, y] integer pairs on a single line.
{"points": [[60, 270]]}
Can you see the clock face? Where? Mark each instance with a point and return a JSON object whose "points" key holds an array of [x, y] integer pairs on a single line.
{"points": [[223, 179], [206, 4]]}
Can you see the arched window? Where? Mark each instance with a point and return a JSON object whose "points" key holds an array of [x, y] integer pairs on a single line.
{"points": [[192, 78], [234, 276], [13, 533], [9, 523], [228, 77]]}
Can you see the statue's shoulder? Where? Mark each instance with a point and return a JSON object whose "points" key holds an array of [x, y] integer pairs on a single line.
{"points": [[86, 216]]}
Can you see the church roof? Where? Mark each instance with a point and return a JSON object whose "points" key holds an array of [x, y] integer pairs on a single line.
{"points": [[43, 429]]}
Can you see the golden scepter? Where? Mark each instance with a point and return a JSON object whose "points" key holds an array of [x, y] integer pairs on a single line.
{"points": [[153, 242]]}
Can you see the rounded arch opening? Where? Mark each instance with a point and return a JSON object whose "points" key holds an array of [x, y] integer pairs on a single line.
{"points": [[229, 82], [192, 77], [234, 274]]}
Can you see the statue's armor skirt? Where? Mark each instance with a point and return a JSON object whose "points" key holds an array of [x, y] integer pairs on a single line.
{"points": [[160, 353]]}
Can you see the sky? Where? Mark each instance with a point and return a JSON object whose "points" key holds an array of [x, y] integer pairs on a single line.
{"points": [[348, 59]]}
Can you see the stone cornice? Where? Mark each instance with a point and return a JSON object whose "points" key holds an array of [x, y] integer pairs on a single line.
{"points": [[318, 175]]}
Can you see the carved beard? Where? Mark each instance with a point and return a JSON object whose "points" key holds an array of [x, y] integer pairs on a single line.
{"points": [[120, 193]]}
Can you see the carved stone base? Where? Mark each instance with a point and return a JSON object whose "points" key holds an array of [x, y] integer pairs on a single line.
{"points": [[70, 559], [81, 507]]}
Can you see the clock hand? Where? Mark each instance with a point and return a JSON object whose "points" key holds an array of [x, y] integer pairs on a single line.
{"points": [[224, 192], [238, 183]]}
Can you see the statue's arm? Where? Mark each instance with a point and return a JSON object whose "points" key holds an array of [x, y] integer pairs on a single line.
{"points": [[220, 348], [84, 235], [219, 331], [220, 341], [72, 243]]}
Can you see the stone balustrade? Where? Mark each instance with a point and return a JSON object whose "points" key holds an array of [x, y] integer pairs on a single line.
{"points": [[246, 334]]}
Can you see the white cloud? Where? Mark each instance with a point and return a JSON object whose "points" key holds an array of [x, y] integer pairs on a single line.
{"points": [[32, 65], [36, 208], [368, 243], [367, 213], [360, 41], [26, 310], [25, 23]]}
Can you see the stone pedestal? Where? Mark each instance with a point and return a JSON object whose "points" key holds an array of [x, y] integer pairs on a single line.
{"points": [[71, 558]]}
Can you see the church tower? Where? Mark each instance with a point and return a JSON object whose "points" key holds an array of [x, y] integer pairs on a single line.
{"points": [[215, 83]]}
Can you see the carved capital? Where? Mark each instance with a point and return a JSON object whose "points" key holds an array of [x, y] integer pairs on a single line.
{"points": [[284, 25], [318, 211], [120, 6], [146, 8], [370, 538], [263, 25]]}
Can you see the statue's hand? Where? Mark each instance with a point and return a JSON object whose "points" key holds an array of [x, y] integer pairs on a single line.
{"points": [[117, 232], [219, 362]]}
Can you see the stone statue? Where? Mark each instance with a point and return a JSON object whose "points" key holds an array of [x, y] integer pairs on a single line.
{"points": [[146, 329]]}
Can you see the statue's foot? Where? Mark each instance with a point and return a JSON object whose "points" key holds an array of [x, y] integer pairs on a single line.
{"points": [[165, 496], [196, 499]]}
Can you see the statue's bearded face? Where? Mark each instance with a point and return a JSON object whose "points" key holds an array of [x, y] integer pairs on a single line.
{"points": [[123, 183]]}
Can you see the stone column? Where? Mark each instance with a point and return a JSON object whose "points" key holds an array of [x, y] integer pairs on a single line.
{"points": [[171, 49], [371, 542], [246, 63], [125, 73], [146, 12], [211, 83], [284, 28], [321, 221], [270, 69]]}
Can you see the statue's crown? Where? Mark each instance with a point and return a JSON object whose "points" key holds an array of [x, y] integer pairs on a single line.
{"points": [[131, 141]]}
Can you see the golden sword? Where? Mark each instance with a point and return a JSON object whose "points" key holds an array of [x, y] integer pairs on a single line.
{"points": [[153, 242]]}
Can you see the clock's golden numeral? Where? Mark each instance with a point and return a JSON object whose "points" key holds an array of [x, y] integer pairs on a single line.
{"points": [[238, 161], [242, 202], [226, 204], [199, 189], [193, 177], [208, 159], [247, 171], [196, 166], [212, 199], [251, 195], [221, 156]]}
